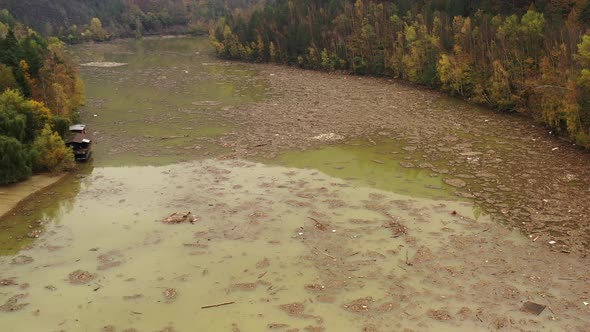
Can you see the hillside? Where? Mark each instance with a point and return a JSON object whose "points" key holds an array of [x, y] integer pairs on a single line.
{"points": [[70, 19], [519, 56]]}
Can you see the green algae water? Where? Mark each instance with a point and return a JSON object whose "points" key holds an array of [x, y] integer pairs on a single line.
{"points": [[270, 247], [162, 101], [381, 165], [251, 245], [345, 237]]}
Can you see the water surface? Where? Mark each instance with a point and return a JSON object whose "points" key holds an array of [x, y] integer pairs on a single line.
{"points": [[163, 105]]}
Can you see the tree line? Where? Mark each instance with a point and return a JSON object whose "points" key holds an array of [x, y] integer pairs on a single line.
{"points": [[518, 56], [91, 20], [40, 91]]}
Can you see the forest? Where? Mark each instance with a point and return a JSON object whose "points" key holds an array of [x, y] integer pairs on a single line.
{"points": [[530, 57], [86, 20], [40, 91]]}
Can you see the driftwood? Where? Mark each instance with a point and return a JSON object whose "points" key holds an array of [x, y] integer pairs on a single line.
{"points": [[217, 305], [172, 137]]}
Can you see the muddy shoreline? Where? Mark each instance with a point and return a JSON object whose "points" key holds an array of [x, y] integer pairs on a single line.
{"points": [[19, 193], [517, 171]]}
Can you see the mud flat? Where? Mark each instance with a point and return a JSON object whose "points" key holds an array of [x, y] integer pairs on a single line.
{"points": [[513, 169]]}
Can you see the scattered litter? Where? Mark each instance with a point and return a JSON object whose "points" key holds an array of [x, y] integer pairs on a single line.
{"points": [[533, 308], [12, 303], [170, 294], [81, 277], [552, 242], [21, 260], [180, 217], [105, 64], [554, 149], [328, 137], [7, 282], [585, 303]]}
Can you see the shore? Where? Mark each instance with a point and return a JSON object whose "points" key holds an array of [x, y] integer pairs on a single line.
{"points": [[11, 195]]}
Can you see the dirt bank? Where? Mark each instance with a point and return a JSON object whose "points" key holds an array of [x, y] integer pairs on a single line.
{"points": [[515, 170], [11, 195]]}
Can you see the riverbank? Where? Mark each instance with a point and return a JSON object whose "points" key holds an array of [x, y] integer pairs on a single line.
{"points": [[11, 195]]}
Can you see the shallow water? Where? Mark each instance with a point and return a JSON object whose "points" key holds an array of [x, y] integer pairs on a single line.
{"points": [[248, 213], [340, 238], [376, 164], [164, 104], [265, 237]]}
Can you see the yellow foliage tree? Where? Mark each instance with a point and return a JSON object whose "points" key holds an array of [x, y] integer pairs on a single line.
{"points": [[97, 31], [51, 152]]}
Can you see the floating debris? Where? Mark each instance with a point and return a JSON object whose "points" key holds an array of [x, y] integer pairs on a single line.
{"points": [[81, 277], [35, 233], [533, 308], [12, 303], [455, 182], [7, 282], [105, 64], [170, 294], [21, 260], [180, 217], [359, 305], [217, 305], [328, 137], [439, 314]]}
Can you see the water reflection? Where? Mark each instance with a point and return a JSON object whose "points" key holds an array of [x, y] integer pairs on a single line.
{"points": [[29, 220]]}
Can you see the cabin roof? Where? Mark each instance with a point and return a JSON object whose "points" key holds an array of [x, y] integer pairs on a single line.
{"points": [[79, 138], [77, 127]]}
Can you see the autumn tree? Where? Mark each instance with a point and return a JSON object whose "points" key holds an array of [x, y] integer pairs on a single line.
{"points": [[98, 33], [15, 161], [51, 153]]}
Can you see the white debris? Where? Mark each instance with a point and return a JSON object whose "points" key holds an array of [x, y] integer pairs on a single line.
{"points": [[552, 242], [328, 137], [104, 64], [554, 149]]}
